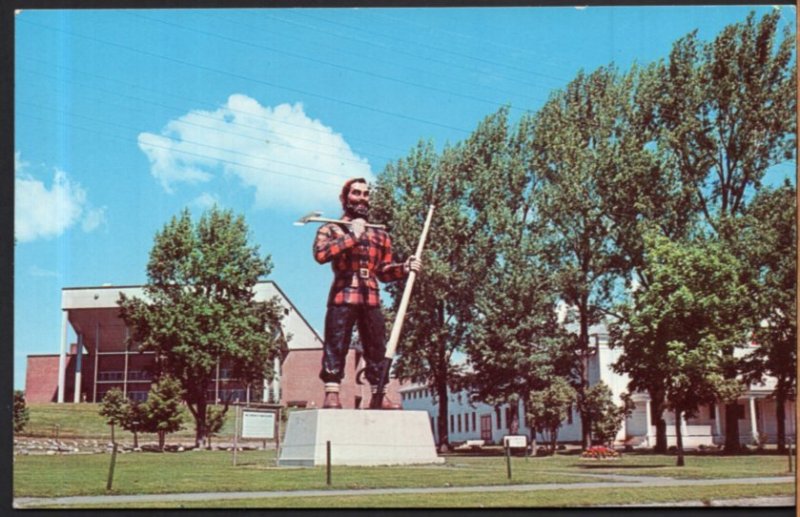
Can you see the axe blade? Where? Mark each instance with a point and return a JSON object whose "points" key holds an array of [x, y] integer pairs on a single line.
{"points": [[303, 220]]}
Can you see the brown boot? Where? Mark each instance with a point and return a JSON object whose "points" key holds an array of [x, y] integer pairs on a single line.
{"points": [[381, 401], [331, 401]]}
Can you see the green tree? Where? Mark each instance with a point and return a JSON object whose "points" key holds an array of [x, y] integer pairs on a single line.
{"points": [[607, 416], [516, 341], [547, 408], [727, 114], [114, 407], [162, 410], [768, 240], [681, 330], [215, 419], [455, 259], [200, 307], [135, 420], [574, 146], [21, 413]]}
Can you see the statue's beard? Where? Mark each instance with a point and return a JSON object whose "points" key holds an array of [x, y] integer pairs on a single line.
{"points": [[357, 210]]}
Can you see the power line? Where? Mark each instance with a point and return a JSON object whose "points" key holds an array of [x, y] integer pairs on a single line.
{"points": [[424, 45], [372, 43], [184, 141], [202, 115], [518, 49], [128, 140], [328, 63], [251, 79]]}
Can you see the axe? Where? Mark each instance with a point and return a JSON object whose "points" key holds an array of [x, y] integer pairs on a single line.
{"points": [[394, 338], [314, 217]]}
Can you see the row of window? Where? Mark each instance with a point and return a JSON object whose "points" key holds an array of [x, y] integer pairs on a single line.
{"points": [[133, 375]]}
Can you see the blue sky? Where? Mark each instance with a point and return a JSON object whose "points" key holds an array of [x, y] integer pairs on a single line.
{"points": [[125, 117]]}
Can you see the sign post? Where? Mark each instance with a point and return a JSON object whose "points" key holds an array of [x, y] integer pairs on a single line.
{"points": [[257, 422]]}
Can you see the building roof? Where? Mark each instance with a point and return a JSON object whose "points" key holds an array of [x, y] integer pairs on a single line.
{"points": [[93, 313]]}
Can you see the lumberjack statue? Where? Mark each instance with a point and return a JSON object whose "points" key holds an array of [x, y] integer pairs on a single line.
{"points": [[360, 254]]}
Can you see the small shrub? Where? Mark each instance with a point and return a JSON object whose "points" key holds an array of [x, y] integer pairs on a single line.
{"points": [[21, 413]]}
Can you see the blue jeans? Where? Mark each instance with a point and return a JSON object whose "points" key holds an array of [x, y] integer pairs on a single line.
{"points": [[339, 323]]}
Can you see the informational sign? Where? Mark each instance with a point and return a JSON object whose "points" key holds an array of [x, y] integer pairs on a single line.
{"points": [[258, 424], [515, 441]]}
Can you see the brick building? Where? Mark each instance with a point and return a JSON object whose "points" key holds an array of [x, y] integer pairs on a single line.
{"points": [[104, 362]]}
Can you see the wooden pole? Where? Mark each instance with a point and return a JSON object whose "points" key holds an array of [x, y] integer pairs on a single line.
{"points": [[235, 434], [508, 460], [394, 338], [328, 462]]}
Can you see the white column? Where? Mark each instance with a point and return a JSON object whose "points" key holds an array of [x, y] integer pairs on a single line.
{"points": [[648, 421], [717, 421], [753, 423], [62, 358], [78, 368], [276, 381]]}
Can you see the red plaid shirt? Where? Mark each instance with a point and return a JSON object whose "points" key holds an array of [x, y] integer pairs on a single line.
{"points": [[356, 264]]}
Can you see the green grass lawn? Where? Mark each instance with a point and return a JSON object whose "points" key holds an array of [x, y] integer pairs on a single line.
{"points": [[83, 421], [198, 471]]}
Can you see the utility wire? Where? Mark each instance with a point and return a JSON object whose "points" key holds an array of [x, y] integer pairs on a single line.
{"points": [[328, 63], [183, 141], [266, 171], [246, 78], [432, 47], [267, 133], [371, 43], [481, 42]]}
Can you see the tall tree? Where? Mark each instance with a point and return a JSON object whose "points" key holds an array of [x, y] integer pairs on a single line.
{"points": [[680, 330], [769, 241], [727, 114], [574, 146], [516, 340], [455, 258], [200, 307]]}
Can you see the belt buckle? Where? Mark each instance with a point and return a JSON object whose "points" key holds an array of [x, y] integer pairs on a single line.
{"points": [[363, 272]]}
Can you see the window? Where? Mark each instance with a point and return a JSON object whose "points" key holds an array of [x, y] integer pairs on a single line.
{"points": [[739, 411], [712, 411], [497, 413], [474, 427], [452, 423], [569, 414], [459, 423], [110, 376]]}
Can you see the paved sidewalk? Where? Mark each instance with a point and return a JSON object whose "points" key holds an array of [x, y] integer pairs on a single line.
{"points": [[615, 481]]}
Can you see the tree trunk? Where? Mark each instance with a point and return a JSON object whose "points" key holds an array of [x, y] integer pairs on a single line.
{"points": [[679, 437], [553, 440], [780, 417], [162, 438], [657, 417], [200, 424], [533, 438], [442, 421], [586, 422], [135, 439], [732, 429], [113, 441]]}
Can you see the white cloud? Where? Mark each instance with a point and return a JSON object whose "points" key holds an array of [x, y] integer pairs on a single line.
{"points": [[42, 212], [288, 158], [206, 200], [37, 271]]}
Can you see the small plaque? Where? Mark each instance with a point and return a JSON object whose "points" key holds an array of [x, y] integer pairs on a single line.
{"points": [[515, 441], [258, 424]]}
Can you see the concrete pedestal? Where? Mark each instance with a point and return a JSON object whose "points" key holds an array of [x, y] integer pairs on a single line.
{"points": [[358, 437]]}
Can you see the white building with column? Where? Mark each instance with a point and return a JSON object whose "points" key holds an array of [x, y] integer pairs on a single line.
{"points": [[478, 421]]}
